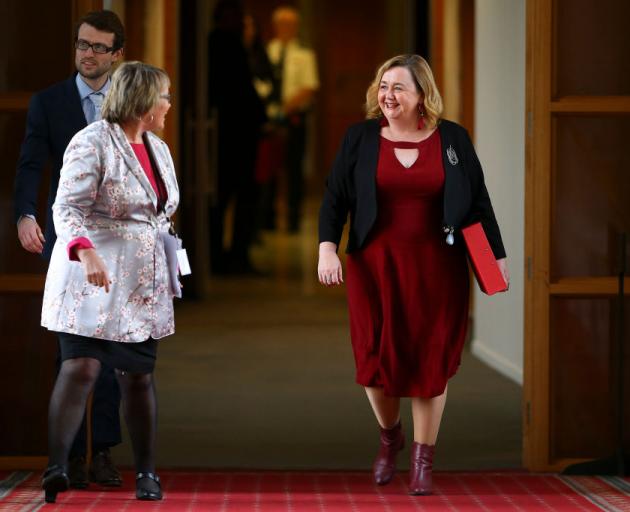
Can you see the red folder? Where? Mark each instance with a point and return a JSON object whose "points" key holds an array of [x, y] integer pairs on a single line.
{"points": [[483, 261]]}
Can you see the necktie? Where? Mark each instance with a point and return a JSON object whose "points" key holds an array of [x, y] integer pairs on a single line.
{"points": [[97, 101]]}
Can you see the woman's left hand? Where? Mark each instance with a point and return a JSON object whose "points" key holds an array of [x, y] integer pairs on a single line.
{"points": [[502, 263]]}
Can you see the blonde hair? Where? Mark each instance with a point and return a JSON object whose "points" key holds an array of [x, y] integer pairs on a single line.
{"points": [[134, 91], [425, 84]]}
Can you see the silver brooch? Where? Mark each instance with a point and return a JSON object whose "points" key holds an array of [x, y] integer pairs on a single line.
{"points": [[452, 156], [450, 239]]}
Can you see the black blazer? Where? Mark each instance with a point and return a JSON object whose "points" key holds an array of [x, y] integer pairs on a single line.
{"points": [[54, 116], [351, 187]]}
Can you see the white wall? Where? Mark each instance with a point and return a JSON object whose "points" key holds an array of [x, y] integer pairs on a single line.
{"points": [[500, 143]]}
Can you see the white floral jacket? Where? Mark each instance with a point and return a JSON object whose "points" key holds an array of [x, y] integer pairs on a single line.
{"points": [[105, 196]]}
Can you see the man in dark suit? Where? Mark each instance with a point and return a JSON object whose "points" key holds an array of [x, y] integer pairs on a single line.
{"points": [[55, 115]]}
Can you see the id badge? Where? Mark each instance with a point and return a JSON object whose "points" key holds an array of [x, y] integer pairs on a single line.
{"points": [[183, 266]]}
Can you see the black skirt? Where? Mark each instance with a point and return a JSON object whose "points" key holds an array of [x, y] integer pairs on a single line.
{"points": [[128, 357]]}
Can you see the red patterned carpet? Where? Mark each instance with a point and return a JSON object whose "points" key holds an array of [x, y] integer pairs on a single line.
{"points": [[331, 492]]}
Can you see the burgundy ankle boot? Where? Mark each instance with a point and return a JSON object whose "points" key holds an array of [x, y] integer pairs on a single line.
{"points": [[421, 469], [392, 441]]}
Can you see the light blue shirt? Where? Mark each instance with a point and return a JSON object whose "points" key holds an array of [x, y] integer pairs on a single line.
{"points": [[86, 103]]}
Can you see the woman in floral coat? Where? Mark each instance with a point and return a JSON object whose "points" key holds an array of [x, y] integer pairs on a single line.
{"points": [[108, 292]]}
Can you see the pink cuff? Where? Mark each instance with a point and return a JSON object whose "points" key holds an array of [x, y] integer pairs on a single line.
{"points": [[78, 243]]}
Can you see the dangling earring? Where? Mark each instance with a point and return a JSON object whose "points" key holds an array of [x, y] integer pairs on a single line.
{"points": [[421, 120], [152, 119]]}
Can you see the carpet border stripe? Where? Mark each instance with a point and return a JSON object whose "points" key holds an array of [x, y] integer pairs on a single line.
{"points": [[619, 483], [596, 499], [12, 481]]}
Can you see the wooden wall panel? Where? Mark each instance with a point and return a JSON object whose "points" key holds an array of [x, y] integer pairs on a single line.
{"points": [[581, 399], [467, 50], [171, 66], [27, 352], [27, 370], [597, 64], [436, 44], [591, 183], [13, 259], [134, 29]]}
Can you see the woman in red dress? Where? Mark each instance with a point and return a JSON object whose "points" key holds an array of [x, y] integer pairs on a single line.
{"points": [[409, 181]]}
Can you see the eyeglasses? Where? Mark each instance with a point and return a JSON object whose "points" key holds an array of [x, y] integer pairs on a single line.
{"points": [[81, 44], [166, 97]]}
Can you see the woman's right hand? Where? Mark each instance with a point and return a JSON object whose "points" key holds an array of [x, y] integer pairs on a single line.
{"points": [[329, 266], [95, 268]]}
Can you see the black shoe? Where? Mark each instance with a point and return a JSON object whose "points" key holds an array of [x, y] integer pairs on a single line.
{"points": [[77, 473], [148, 487], [54, 480], [103, 471]]}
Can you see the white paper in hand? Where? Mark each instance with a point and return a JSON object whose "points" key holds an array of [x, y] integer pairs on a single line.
{"points": [[182, 258]]}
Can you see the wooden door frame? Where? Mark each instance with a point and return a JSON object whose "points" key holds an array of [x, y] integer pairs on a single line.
{"points": [[537, 195], [541, 108]]}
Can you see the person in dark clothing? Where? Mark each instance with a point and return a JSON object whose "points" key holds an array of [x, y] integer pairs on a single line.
{"points": [[54, 116], [259, 65], [270, 154], [240, 115]]}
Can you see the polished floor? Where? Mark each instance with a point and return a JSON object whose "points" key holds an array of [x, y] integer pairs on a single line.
{"points": [[260, 375]]}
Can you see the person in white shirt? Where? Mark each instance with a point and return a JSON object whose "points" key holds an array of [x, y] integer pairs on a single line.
{"points": [[296, 82]]}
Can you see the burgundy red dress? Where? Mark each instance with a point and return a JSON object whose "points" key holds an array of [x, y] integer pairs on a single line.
{"points": [[408, 289]]}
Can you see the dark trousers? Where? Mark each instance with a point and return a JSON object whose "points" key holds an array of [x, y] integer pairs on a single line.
{"points": [[295, 148], [105, 414], [235, 181]]}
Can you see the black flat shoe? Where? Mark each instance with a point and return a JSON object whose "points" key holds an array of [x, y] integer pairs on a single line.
{"points": [[145, 490], [54, 480]]}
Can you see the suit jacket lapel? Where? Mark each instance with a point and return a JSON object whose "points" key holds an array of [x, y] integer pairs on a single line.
{"points": [[120, 140], [455, 185], [369, 160], [372, 143], [448, 174]]}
